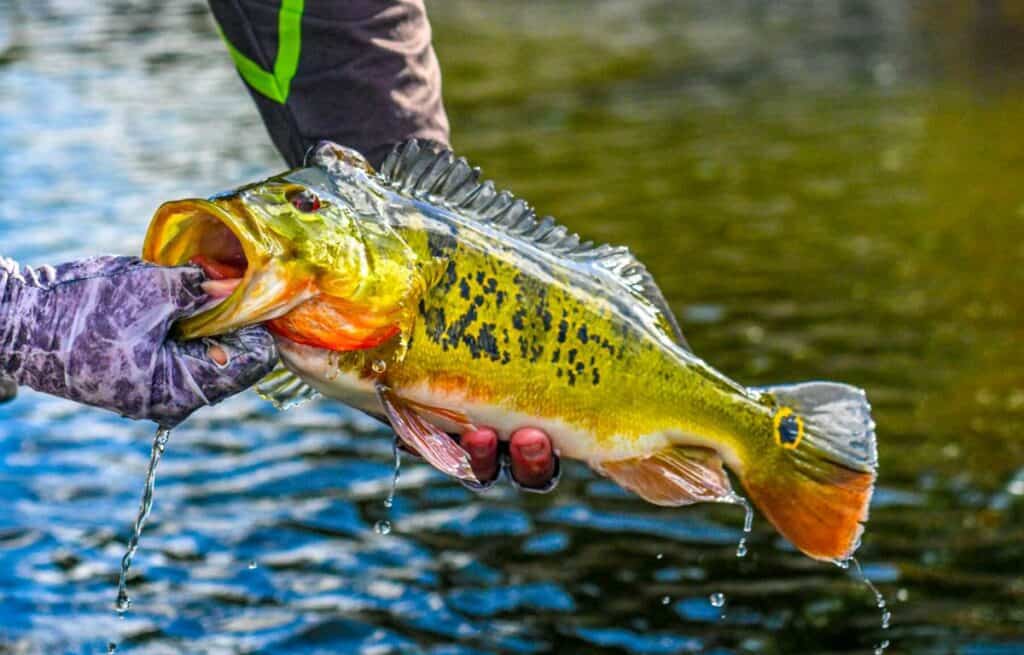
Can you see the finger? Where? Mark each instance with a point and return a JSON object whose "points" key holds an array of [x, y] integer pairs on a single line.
{"points": [[533, 459], [218, 355], [482, 446], [251, 354]]}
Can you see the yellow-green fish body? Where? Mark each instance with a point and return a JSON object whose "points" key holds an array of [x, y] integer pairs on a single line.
{"points": [[436, 301]]}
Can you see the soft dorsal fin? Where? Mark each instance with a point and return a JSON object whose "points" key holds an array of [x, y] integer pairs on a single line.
{"points": [[425, 171]]}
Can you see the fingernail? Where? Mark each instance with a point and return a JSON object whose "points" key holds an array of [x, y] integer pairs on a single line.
{"points": [[533, 450]]}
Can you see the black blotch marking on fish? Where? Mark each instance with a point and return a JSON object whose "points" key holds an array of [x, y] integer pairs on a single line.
{"points": [[572, 355], [491, 285], [448, 280], [572, 378], [555, 355], [441, 244], [458, 328], [536, 350], [464, 288], [479, 277], [789, 430], [499, 299], [505, 358], [487, 342], [558, 373], [433, 322], [545, 317], [596, 376], [579, 367], [591, 360], [504, 335], [563, 329], [524, 346], [478, 300], [581, 334], [517, 319]]}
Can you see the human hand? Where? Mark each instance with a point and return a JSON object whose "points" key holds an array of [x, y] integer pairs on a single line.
{"points": [[528, 456], [96, 332]]}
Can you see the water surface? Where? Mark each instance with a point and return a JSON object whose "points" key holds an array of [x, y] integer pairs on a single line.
{"points": [[824, 190]]}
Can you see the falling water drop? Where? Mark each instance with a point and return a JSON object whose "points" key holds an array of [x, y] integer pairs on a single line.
{"points": [[717, 599], [748, 523], [880, 603], [397, 454], [111, 648], [379, 366], [665, 600], [382, 527], [145, 505], [659, 556], [252, 564]]}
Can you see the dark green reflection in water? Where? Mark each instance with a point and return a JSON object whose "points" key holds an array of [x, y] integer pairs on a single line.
{"points": [[822, 193]]}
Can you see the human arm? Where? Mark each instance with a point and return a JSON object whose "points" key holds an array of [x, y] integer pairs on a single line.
{"points": [[96, 331]]}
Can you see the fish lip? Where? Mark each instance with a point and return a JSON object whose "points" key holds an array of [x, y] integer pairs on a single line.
{"points": [[169, 243]]}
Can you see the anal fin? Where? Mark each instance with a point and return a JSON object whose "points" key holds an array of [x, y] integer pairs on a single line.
{"points": [[428, 440], [678, 475], [284, 389]]}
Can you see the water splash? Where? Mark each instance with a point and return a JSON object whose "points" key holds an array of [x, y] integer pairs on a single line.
{"points": [[379, 366], [880, 602], [717, 599], [665, 600], [382, 527], [145, 505]]}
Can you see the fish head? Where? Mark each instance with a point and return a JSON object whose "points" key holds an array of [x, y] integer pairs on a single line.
{"points": [[297, 251]]}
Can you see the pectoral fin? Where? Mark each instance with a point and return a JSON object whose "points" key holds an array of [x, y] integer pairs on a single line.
{"points": [[434, 445], [679, 475]]}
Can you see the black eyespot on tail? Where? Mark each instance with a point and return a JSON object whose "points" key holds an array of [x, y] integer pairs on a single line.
{"points": [[789, 428]]}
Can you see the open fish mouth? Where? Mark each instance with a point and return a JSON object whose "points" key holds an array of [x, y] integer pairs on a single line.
{"points": [[224, 239]]}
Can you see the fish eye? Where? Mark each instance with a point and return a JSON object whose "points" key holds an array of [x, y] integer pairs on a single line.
{"points": [[304, 200]]}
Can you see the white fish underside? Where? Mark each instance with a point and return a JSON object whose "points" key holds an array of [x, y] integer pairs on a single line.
{"points": [[315, 367]]}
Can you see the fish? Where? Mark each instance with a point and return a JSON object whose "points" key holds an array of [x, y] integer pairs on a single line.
{"points": [[425, 296]]}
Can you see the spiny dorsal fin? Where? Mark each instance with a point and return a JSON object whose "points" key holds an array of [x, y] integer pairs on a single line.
{"points": [[428, 172], [284, 389]]}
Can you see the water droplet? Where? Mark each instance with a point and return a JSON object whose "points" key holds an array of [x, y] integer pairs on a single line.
{"points": [[111, 648], [886, 615], [717, 599], [748, 522], [665, 600], [379, 366], [660, 556], [382, 527], [160, 440], [397, 454], [902, 595], [252, 564], [123, 603]]}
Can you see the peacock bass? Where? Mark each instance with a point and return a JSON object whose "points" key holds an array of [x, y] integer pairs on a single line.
{"points": [[432, 300]]}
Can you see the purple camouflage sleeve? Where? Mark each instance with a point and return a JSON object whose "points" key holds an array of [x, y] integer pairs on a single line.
{"points": [[96, 332]]}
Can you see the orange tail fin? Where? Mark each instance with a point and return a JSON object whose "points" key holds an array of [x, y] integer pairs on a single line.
{"points": [[817, 487]]}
